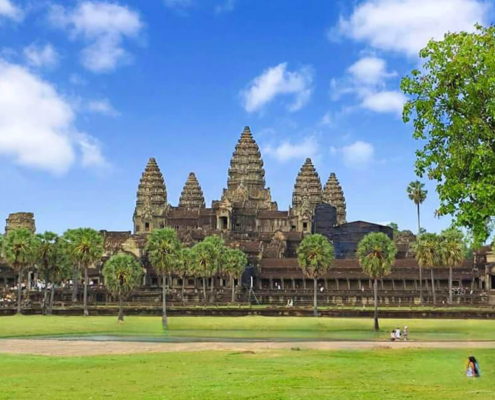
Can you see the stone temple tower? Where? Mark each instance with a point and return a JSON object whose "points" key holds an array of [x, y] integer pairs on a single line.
{"points": [[334, 195], [192, 197], [246, 182], [20, 220], [306, 196], [151, 204]]}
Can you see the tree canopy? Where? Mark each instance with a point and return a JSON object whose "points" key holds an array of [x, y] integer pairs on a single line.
{"points": [[163, 250], [315, 255], [452, 106], [122, 274], [376, 253]]}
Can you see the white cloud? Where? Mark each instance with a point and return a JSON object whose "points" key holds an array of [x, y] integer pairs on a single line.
{"points": [[366, 79], [77, 80], [386, 101], [406, 26], [225, 7], [9, 10], [37, 124], [328, 119], [103, 26], [358, 155], [41, 55], [277, 81], [286, 150], [102, 106], [370, 71]]}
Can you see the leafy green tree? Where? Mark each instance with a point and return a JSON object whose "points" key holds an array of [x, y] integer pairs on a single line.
{"points": [[84, 248], [376, 253], [122, 275], [218, 257], [163, 250], [204, 256], [47, 256], [315, 255], [429, 255], [62, 271], [453, 252], [452, 108], [235, 264], [18, 250], [185, 267], [417, 194], [67, 241]]}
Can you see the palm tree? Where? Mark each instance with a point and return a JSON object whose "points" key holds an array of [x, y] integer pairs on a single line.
{"points": [[61, 272], [47, 250], [417, 194], [204, 257], [315, 255], [163, 250], [218, 257], [453, 253], [18, 250], [376, 253], [429, 255], [184, 267], [122, 275], [85, 248], [235, 264]]}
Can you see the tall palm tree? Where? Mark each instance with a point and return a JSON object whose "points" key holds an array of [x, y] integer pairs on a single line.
{"points": [[417, 194], [163, 249], [429, 255], [315, 255], [47, 256], [235, 264], [85, 249], [218, 257], [18, 250], [453, 254], [376, 253], [203, 257], [184, 267], [122, 275]]}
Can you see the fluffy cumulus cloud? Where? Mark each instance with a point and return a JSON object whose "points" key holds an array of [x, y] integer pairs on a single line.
{"points": [[38, 124], [9, 10], [286, 151], [102, 106], [358, 154], [367, 79], [406, 26], [103, 26], [278, 81], [38, 55]]}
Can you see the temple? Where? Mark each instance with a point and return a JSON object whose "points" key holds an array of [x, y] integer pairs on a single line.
{"points": [[247, 217]]}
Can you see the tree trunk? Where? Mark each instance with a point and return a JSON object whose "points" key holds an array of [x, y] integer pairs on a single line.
{"points": [[315, 299], [164, 303], [45, 293], [450, 285], [433, 287], [75, 284], [183, 288], [419, 221], [52, 295], [85, 298], [204, 289], [375, 290], [420, 285], [19, 293], [233, 289], [121, 310]]}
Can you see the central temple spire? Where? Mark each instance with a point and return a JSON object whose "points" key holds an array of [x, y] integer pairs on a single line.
{"points": [[246, 182]]}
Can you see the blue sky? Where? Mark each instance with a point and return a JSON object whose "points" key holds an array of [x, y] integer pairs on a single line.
{"points": [[89, 90]]}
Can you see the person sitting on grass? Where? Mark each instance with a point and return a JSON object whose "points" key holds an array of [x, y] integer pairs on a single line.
{"points": [[472, 369], [392, 336]]}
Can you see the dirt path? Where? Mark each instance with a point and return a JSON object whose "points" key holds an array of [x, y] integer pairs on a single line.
{"points": [[93, 348]]}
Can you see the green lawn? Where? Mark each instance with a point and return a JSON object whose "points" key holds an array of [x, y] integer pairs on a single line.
{"points": [[305, 374], [248, 327]]}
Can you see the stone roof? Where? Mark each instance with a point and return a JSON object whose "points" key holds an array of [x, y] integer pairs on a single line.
{"points": [[334, 195], [307, 189], [152, 193], [192, 197]]}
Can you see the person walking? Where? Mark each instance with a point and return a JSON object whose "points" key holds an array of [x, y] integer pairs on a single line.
{"points": [[404, 333]]}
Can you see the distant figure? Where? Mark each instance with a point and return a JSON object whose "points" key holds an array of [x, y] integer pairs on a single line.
{"points": [[291, 303], [472, 369], [392, 336], [404, 333], [321, 289], [397, 333]]}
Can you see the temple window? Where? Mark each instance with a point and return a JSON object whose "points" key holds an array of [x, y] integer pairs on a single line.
{"points": [[137, 228], [305, 226], [162, 225], [223, 222], [146, 226]]}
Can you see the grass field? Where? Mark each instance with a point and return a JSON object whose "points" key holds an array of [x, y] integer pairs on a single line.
{"points": [[248, 327], [305, 374]]}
